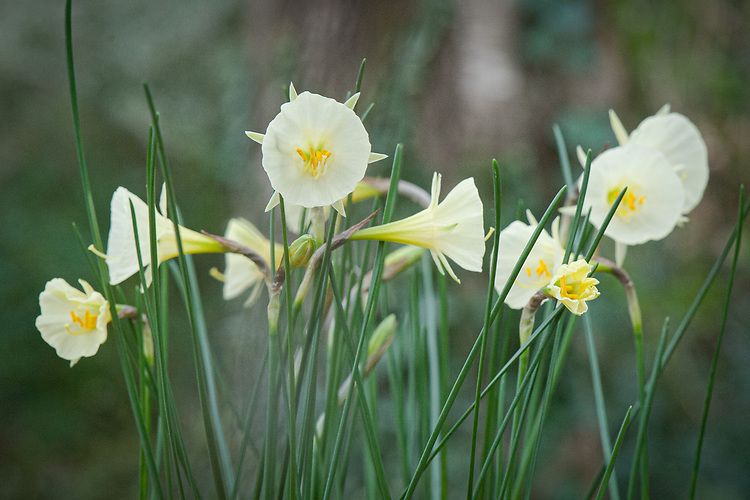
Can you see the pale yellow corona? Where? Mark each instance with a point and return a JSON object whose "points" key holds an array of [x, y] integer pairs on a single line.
{"points": [[315, 151], [72, 321]]}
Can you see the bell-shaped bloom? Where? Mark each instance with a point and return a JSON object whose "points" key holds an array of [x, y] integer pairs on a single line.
{"points": [[453, 228], [545, 258], [122, 256], [241, 273], [653, 203], [72, 321], [680, 141], [572, 286], [315, 150]]}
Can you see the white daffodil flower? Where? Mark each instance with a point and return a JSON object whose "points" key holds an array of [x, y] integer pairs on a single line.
{"points": [[72, 321], [680, 141], [122, 256], [653, 203], [241, 273], [315, 151], [453, 228], [545, 258], [572, 286]]}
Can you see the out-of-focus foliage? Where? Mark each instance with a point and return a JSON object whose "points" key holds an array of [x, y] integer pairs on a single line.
{"points": [[458, 83]]}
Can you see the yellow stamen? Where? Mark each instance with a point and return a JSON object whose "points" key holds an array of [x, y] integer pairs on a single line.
{"points": [[315, 160], [542, 269], [88, 322], [629, 204], [528, 271]]}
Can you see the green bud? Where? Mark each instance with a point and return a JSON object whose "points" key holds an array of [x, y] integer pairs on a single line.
{"points": [[301, 250]]}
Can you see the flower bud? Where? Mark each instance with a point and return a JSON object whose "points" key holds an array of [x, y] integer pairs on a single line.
{"points": [[301, 250]]}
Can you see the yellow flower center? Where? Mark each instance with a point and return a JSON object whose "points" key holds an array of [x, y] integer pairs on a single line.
{"points": [[541, 270], [630, 203], [87, 322], [315, 160], [569, 291]]}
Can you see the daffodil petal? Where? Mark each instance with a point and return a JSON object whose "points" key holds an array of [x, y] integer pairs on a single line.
{"points": [[255, 136], [376, 157], [352, 101], [619, 130]]}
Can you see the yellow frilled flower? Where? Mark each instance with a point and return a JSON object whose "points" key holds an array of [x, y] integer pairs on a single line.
{"points": [[545, 258], [572, 286], [72, 321], [241, 273], [122, 256], [453, 228], [315, 151]]}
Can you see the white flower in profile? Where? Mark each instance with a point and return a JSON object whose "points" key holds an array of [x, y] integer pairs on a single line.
{"points": [[542, 263], [122, 256], [72, 321], [653, 203], [680, 141], [241, 273], [572, 286], [453, 228], [315, 151]]}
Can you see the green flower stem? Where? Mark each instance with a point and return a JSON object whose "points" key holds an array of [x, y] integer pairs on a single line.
{"points": [[634, 311], [272, 402], [525, 328]]}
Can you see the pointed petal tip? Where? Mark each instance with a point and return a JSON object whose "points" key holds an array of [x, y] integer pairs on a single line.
{"points": [[272, 202], [352, 101], [255, 136], [339, 207], [617, 127], [376, 157]]}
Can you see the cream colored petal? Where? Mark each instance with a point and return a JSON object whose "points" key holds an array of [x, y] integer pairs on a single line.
{"points": [[513, 240], [272, 202], [650, 179], [664, 110], [619, 130], [163, 200], [352, 101], [339, 207], [681, 142], [314, 121], [255, 136], [122, 257], [292, 92], [376, 157], [58, 303], [621, 250]]}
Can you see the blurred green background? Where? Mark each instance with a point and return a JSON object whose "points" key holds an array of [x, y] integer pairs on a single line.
{"points": [[458, 83]]}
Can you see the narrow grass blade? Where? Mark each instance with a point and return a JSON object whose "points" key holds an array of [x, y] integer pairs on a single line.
{"points": [[601, 406], [369, 312], [613, 456], [496, 309], [487, 324], [717, 350], [217, 448], [562, 152]]}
